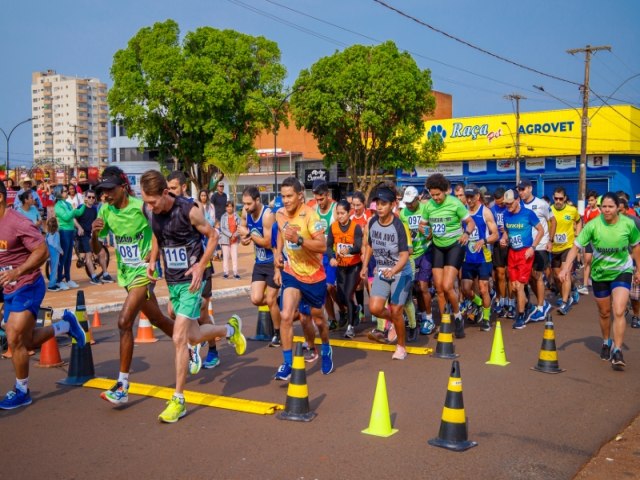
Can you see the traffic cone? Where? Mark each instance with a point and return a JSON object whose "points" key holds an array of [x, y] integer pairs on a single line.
{"points": [[380, 421], [211, 312], [264, 325], [548, 358], [81, 364], [96, 320], [145, 332], [453, 428], [498, 357], [49, 352], [297, 405], [444, 347]]}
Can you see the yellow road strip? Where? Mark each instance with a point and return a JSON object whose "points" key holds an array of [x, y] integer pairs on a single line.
{"points": [[370, 346]]}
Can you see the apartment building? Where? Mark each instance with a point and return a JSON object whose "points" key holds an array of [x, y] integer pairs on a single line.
{"points": [[70, 120]]}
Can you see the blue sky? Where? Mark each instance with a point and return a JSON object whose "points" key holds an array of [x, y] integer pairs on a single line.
{"points": [[79, 37]]}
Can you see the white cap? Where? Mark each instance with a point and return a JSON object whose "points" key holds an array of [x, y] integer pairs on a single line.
{"points": [[410, 194]]}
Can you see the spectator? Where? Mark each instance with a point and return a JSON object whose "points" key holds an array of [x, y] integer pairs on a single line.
{"points": [[229, 240], [55, 251], [219, 200], [83, 224], [11, 191], [26, 185], [207, 207], [65, 214], [28, 209], [75, 198], [74, 182]]}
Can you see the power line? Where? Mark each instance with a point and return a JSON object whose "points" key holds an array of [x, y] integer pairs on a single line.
{"points": [[471, 45]]}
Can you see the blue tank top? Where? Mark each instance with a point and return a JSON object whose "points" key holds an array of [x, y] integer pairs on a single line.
{"points": [[498, 214], [479, 233], [263, 255]]}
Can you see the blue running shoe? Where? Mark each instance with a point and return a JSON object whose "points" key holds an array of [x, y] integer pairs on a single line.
{"points": [[511, 312], [559, 302], [117, 394], [15, 399], [529, 310], [519, 324], [565, 307], [427, 327], [546, 309], [212, 360], [575, 296], [327, 361], [75, 329], [536, 316], [284, 373]]}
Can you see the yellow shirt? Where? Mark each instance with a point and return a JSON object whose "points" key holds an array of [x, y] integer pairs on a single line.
{"points": [[302, 264], [565, 222]]}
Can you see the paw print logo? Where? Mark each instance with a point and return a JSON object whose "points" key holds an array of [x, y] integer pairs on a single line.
{"points": [[437, 129]]}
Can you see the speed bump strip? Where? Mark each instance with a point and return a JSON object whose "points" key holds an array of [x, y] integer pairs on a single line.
{"points": [[196, 398], [370, 346]]}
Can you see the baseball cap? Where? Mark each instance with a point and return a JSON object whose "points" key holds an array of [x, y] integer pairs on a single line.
{"points": [[410, 194], [525, 183], [510, 196], [320, 186], [471, 190], [111, 177], [385, 194]]}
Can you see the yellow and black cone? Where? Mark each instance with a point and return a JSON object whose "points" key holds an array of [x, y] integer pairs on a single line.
{"points": [[81, 363], [444, 347], [264, 326], [380, 421], [297, 405], [548, 358], [498, 357], [453, 428]]}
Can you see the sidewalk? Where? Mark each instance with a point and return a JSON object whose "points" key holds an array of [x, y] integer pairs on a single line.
{"points": [[109, 297]]}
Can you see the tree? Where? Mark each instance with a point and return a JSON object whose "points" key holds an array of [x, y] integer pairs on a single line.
{"points": [[191, 100], [366, 107]]}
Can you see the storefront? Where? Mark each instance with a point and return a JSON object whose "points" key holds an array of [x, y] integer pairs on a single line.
{"points": [[481, 150]]}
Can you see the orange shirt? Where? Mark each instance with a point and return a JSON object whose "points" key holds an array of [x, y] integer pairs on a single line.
{"points": [[345, 239]]}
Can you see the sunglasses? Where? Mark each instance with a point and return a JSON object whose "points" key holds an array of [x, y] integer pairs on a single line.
{"points": [[558, 199], [521, 188], [90, 197]]}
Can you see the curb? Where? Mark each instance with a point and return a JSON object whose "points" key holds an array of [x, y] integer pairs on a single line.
{"points": [[117, 306]]}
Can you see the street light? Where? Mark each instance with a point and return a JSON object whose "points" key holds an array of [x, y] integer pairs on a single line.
{"points": [[517, 145], [7, 138]]}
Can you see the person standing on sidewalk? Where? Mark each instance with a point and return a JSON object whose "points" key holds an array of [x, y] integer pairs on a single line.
{"points": [[55, 252], [123, 216], [83, 224], [178, 226], [66, 214], [229, 240], [23, 251]]}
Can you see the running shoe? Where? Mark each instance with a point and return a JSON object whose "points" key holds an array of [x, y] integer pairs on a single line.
{"points": [[95, 281], [501, 311], [511, 312], [226, 275], [175, 410], [559, 302], [342, 320], [617, 361], [237, 339], [72, 284], [536, 316], [529, 310], [583, 290], [333, 325], [15, 399], [106, 278], [391, 334], [635, 322], [54, 288], [350, 333], [327, 361], [459, 327], [195, 361], [377, 336], [399, 354], [427, 327], [546, 309], [63, 286], [212, 361], [485, 326], [565, 307], [275, 340], [519, 324], [605, 352], [284, 373], [311, 355], [237, 277], [75, 329], [576, 296], [116, 394], [412, 334]]}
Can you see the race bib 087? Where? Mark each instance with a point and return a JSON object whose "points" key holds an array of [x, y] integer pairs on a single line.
{"points": [[129, 253]]}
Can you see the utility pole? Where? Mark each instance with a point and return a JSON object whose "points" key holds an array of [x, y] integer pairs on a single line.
{"points": [[517, 97], [582, 182]]}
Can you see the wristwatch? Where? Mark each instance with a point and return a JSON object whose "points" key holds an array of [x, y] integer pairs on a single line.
{"points": [[300, 241]]}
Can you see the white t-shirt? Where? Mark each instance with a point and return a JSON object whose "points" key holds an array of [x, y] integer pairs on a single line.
{"points": [[543, 212]]}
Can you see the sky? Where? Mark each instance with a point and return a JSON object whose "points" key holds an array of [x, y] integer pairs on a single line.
{"points": [[80, 37]]}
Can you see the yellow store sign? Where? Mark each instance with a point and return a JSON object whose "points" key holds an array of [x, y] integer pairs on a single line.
{"points": [[551, 133]]}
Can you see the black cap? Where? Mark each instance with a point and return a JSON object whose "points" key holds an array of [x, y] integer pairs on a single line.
{"points": [[384, 193], [320, 186], [112, 177], [525, 183], [471, 190]]}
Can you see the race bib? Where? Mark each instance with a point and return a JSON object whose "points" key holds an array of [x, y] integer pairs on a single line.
{"points": [[475, 235], [340, 246], [129, 253], [439, 229], [560, 238], [414, 221], [176, 258], [261, 254], [516, 241]]}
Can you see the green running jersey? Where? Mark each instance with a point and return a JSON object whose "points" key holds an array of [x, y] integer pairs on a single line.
{"points": [[445, 220], [412, 221], [611, 245], [132, 233]]}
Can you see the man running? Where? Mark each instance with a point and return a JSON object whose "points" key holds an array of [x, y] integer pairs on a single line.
{"points": [[123, 216], [301, 238], [23, 251], [257, 227], [178, 226], [503, 307]]}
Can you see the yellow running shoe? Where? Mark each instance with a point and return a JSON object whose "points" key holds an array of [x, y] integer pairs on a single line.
{"points": [[237, 339], [175, 411]]}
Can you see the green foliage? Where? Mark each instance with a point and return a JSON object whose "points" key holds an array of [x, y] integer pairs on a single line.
{"points": [[366, 106], [191, 100]]}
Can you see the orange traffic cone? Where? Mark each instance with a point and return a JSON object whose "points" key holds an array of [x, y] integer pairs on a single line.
{"points": [[96, 320], [50, 354], [145, 331], [211, 312]]}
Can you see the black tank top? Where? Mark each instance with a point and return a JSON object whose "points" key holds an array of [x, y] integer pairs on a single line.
{"points": [[180, 242]]}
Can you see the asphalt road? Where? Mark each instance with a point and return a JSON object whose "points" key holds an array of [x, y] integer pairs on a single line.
{"points": [[527, 424]]}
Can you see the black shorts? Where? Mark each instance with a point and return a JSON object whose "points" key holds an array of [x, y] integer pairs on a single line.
{"points": [[481, 271], [604, 289], [558, 258], [540, 261], [206, 291], [263, 272], [500, 255], [588, 248], [451, 256], [84, 244]]}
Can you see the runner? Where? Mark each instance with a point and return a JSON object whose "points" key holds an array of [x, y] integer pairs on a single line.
{"points": [[446, 216], [178, 226], [519, 225], [257, 227], [592, 211], [344, 244], [386, 239], [611, 235], [301, 238], [477, 262], [23, 251], [361, 216], [504, 307], [123, 216], [568, 225]]}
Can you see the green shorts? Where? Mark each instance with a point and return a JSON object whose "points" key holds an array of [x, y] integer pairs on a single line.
{"points": [[185, 303]]}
